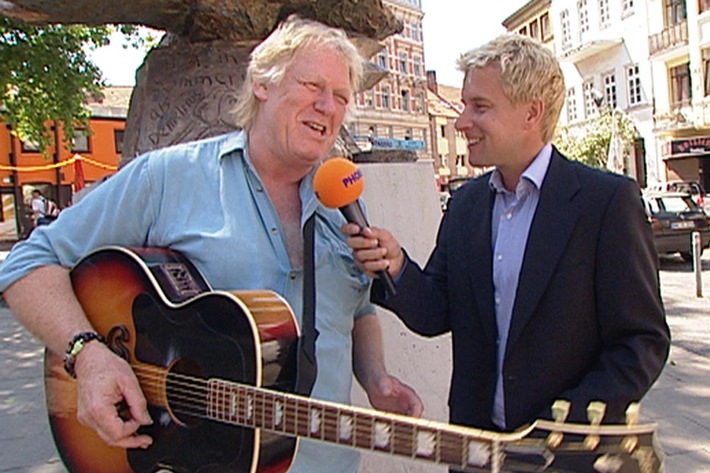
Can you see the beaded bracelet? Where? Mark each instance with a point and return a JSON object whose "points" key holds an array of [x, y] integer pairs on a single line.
{"points": [[74, 348]]}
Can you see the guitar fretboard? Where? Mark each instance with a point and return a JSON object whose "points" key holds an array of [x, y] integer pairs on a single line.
{"points": [[359, 428]]}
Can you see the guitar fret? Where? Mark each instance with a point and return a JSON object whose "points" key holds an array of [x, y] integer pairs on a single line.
{"points": [[402, 443]]}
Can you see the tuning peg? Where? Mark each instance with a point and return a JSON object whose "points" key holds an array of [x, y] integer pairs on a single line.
{"points": [[595, 414], [560, 411], [632, 413], [630, 442]]}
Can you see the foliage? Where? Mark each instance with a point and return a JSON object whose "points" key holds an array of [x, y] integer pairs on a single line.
{"points": [[46, 75], [591, 144]]}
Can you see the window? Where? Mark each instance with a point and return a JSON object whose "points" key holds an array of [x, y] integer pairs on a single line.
{"points": [[29, 146], [571, 106], [444, 160], [80, 141], [386, 102], [406, 106], [604, 14], [675, 12], [443, 131], [627, 6], [535, 29], [633, 80], [545, 27], [566, 33], [414, 30], [403, 63], [706, 71], [421, 102], [583, 16], [523, 31], [118, 141], [610, 90], [408, 134], [370, 99], [590, 107], [382, 59], [680, 84], [417, 66]]}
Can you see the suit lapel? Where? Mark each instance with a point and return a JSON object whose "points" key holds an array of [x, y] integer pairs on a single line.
{"points": [[552, 225], [477, 252]]}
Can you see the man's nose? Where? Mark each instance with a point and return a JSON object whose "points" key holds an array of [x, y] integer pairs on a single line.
{"points": [[325, 102]]}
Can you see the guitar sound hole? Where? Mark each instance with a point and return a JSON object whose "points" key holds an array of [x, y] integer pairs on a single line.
{"points": [[186, 390]]}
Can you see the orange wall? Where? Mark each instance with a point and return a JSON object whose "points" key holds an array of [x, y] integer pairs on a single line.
{"points": [[102, 149]]}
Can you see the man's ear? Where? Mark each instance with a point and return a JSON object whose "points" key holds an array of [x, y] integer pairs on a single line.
{"points": [[536, 109], [260, 91]]}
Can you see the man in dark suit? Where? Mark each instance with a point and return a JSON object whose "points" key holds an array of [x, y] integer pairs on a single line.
{"points": [[544, 270]]}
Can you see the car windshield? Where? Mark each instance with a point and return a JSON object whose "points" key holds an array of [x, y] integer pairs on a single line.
{"points": [[677, 204]]}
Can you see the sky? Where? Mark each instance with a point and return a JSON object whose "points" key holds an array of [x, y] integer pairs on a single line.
{"points": [[451, 27]]}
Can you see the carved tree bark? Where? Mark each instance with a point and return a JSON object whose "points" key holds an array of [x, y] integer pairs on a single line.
{"points": [[186, 87]]}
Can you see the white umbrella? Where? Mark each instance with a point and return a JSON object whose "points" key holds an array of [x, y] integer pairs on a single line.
{"points": [[615, 156]]}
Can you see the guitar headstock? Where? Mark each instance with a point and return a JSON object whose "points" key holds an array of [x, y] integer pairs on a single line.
{"points": [[595, 446]]}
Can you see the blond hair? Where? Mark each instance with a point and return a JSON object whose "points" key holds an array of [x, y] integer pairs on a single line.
{"points": [[528, 71], [269, 61]]}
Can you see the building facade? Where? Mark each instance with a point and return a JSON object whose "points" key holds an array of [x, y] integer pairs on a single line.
{"points": [[679, 46], [57, 174], [393, 113]]}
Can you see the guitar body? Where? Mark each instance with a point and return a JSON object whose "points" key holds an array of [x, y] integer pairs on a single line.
{"points": [[156, 310]]}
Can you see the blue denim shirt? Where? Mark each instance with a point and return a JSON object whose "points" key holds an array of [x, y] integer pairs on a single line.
{"points": [[205, 200]]}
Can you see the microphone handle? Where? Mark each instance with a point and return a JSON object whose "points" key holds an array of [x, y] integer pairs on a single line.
{"points": [[353, 214]]}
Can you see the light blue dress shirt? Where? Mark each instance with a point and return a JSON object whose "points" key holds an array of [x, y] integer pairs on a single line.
{"points": [[513, 213], [205, 200]]}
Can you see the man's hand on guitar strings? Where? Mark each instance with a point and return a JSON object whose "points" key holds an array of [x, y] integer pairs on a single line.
{"points": [[105, 381]]}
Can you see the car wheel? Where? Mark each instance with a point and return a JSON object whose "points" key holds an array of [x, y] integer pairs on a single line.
{"points": [[688, 256]]}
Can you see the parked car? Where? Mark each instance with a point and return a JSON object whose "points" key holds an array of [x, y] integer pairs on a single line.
{"points": [[674, 216], [451, 187], [694, 188]]}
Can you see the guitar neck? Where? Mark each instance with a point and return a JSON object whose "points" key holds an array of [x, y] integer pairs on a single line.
{"points": [[292, 415], [351, 426]]}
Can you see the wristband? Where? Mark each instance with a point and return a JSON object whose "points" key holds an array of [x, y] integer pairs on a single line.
{"points": [[77, 343]]}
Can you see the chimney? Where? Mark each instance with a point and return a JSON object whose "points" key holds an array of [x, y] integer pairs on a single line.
{"points": [[431, 81]]}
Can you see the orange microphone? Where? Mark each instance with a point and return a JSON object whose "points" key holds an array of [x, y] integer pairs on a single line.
{"points": [[338, 184]]}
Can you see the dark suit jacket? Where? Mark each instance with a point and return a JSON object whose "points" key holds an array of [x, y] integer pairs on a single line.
{"points": [[588, 321]]}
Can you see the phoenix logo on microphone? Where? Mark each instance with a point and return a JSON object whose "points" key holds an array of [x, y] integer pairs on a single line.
{"points": [[352, 178]]}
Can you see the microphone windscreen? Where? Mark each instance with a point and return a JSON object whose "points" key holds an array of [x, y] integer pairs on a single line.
{"points": [[338, 182]]}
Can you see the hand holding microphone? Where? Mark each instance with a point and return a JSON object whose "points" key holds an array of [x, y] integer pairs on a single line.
{"points": [[338, 183]]}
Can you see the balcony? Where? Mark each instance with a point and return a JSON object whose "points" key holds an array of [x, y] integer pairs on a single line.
{"points": [[670, 38], [586, 49]]}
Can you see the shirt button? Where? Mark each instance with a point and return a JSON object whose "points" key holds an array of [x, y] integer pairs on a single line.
{"points": [[509, 215], [499, 257], [274, 231], [497, 300], [292, 276]]}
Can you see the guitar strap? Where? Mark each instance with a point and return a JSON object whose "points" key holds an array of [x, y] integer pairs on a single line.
{"points": [[307, 365]]}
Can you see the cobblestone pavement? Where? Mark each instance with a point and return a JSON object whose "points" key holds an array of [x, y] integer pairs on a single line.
{"points": [[679, 402]]}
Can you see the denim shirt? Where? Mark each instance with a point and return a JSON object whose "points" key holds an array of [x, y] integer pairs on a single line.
{"points": [[205, 200]]}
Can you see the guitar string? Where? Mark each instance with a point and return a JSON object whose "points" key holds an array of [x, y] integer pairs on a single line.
{"points": [[184, 400], [196, 405]]}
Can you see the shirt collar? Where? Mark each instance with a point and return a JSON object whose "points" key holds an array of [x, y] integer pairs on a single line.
{"points": [[534, 173], [237, 142]]}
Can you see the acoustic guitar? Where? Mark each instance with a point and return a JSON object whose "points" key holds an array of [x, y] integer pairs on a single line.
{"points": [[218, 370]]}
